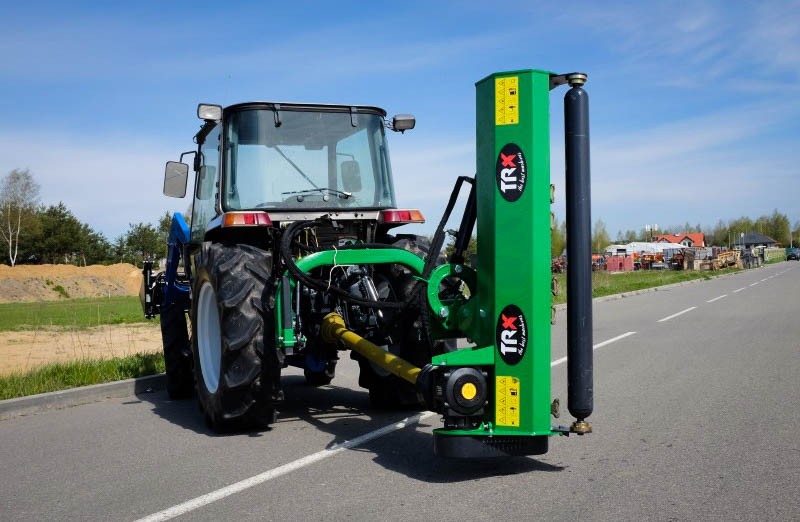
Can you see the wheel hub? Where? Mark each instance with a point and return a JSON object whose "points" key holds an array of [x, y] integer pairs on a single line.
{"points": [[209, 339]]}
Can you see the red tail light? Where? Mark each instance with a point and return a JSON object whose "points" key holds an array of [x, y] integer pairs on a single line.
{"points": [[246, 219], [401, 216]]}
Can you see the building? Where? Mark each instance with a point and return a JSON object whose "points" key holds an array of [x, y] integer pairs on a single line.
{"points": [[753, 240], [689, 239]]}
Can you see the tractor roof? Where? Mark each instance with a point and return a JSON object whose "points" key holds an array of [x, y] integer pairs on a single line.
{"points": [[324, 107]]}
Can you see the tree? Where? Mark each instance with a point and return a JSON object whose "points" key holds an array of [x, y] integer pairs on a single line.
{"points": [[60, 239], [95, 248], [738, 227], [778, 227], [719, 235], [472, 247], [164, 224], [558, 239], [142, 241], [600, 237], [629, 236], [19, 195]]}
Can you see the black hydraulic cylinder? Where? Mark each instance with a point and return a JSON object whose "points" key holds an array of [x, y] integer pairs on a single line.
{"points": [[465, 230], [580, 387]]}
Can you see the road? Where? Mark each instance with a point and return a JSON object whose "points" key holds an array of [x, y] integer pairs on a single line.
{"points": [[696, 418]]}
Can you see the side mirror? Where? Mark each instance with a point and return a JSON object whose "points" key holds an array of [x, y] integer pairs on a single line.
{"points": [[175, 176], [403, 122], [351, 176]]}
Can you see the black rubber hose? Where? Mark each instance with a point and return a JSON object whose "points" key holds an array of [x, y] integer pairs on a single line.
{"points": [[318, 284]]}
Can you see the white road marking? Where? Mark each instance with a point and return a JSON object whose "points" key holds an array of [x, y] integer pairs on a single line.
{"points": [[227, 491], [595, 347], [763, 279], [717, 298], [754, 284], [739, 290], [667, 318], [208, 498]]}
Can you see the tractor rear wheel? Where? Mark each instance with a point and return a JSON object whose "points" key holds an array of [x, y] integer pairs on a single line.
{"points": [[407, 342], [229, 322], [177, 352], [407, 334]]}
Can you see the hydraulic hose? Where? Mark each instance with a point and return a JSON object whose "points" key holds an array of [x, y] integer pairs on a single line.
{"points": [[318, 284]]}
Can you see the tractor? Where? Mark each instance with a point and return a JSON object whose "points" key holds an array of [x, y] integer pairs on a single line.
{"points": [[290, 258]]}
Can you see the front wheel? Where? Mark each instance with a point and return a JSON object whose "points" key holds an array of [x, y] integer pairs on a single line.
{"points": [[229, 325], [177, 352]]}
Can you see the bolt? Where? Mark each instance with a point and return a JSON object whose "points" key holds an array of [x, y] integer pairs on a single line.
{"points": [[458, 269], [443, 312], [577, 79]]}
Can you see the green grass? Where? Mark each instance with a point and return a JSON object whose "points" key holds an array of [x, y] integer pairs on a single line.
{"points": [[61, 376], [61, 291], [607, 283], [71, 313], [83, 313]]}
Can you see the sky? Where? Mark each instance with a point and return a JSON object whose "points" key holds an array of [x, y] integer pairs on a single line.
{"points": [[694, 106]]}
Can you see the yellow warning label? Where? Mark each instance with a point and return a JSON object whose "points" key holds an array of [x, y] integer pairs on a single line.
{"points": [[506, 401], [506, 96]]}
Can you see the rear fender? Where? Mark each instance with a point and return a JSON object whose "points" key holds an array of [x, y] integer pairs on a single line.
{"points": [[176, 285]]}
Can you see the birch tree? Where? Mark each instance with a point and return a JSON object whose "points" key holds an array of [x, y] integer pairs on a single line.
{"points": [[19, 195]]}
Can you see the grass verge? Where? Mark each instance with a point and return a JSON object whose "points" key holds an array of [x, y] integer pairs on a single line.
{"points": [[74, 313], [62, 376], [607, 283], [117, 310]]}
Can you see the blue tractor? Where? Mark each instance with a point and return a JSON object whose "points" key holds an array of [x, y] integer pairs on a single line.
{"points": [[275, 183], [291, 257]]}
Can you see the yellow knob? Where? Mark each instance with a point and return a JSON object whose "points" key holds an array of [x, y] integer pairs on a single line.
{"points": [[469, 391]]}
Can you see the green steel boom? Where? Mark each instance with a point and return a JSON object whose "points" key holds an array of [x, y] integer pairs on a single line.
{"points": [[495, 395]]}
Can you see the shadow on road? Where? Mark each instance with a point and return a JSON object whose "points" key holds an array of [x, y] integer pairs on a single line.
{"points": [[410, 451], [346, 414]]}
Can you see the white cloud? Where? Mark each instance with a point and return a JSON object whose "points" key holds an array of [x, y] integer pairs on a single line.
{"points": [[107, 183], [425, 174], [700, 169], [699, 44]]}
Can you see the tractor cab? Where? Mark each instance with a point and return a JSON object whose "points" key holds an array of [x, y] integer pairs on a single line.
{"points": [[284, 158]]}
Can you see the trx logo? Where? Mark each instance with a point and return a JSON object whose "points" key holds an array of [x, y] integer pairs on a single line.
{"points": [[511, 172], [511, 334]]}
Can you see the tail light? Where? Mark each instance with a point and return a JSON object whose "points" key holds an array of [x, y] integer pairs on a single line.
{"points": [[246, 219], [401, 216]]}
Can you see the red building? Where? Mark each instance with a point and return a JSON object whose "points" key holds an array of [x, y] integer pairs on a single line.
{"points": [[692, 239]]}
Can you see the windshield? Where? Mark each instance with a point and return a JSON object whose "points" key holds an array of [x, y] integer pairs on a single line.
{"points": [[313, 160]]}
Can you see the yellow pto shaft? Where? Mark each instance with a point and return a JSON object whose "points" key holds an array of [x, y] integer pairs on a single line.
{"points": [[334, 329]]}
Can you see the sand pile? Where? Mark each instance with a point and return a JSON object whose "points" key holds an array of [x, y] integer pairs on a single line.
{"points": [[41, 282]]}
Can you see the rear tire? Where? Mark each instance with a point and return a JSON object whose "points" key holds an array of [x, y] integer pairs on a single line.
{"points": [[177, 352], [229, 323], [408, 334]]}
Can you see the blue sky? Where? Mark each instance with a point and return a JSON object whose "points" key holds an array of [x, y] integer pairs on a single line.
{"points": [[694, 105]]}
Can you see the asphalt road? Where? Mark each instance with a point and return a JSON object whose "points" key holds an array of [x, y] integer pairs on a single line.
{"points": [[696, 418]]}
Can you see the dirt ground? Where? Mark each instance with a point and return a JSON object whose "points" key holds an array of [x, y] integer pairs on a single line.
{"points": [[38, 282], [25, 350]]}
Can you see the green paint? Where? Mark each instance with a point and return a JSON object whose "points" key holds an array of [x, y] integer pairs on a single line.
{"points": [[466, 357], [361, 256], [513, 253], [284, 334]]}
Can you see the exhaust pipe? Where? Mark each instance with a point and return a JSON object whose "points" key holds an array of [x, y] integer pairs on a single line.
{"points": [[580, 387]]}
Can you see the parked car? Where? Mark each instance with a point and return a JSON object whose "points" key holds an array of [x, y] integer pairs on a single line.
{"points": [[793, 254]]}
